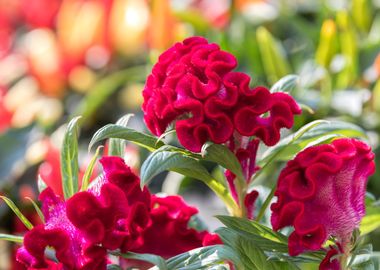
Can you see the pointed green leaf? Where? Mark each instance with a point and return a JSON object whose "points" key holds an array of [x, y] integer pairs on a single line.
{"points": [[204, 258], [17, 211], [223, 156], [89, 170], [38, 210], [165, 159], [115, 131], [285, 84], [11, 238], [153, 259], [41, 185], [69, 159], [117, 146]]}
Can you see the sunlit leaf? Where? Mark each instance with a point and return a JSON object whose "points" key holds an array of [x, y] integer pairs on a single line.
{"points": [[17, 212], [115, 131], [69, 159], [153, 259]]}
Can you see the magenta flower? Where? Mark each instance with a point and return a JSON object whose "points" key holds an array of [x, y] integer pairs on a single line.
{"points": [[115, 210], [168, 233], [72, 249], [321, 194], [193, 86], [115, 213]]}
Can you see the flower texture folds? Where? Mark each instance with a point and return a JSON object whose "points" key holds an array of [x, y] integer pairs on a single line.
{"points": [[72, 248], [194, 86], [114, 213], [321, 194]]}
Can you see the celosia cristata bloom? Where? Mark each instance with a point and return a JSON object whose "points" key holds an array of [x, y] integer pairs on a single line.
{"points": [[193, 85], [72, 249], [115, 213], [321, 194]]}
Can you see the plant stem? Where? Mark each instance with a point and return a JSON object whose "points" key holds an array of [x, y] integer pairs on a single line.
{"points": [[223, 193], [265, 204]]}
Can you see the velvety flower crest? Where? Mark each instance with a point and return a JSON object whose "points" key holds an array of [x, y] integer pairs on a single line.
{"points": [[321, 194], [72, 248], [193, 86]]}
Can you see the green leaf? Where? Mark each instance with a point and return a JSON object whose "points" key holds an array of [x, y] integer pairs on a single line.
{"points": [[11, 238], [265, 237], [89, 170], [153, 259], [254, 240], [254, 258], [117, 146], [285, 84], [313, 133], [18, 213], [203, 258], [371, 220], [223, 156], [41, 185], [69, 159], [115, 131], [167, 158], [38, 210], [113, 267]]}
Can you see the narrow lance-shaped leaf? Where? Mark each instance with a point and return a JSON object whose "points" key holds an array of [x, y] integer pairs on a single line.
{"points": [[38, 210], [17, 211], [115, 131], [89, 170], [69, 159], [11, 238], [153, 259], [117, 146]]}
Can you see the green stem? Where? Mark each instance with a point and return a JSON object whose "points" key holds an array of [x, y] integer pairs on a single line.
{"points": [[223, 193], [265, 204]]}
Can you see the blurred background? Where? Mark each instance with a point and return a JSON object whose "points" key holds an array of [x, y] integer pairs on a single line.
{"points": [[62, 58]]}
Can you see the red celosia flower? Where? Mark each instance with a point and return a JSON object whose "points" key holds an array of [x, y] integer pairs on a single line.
{"points": [[114, 210], [168, 233], [115, 213], [328, 263], [321, 194], [193, 85], [72, 249]]}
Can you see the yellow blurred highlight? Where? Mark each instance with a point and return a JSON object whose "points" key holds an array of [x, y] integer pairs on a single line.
{"points": [[81, 79], [128, 26], [44, 60], [327, 43], [80, 25], [131, 98]]}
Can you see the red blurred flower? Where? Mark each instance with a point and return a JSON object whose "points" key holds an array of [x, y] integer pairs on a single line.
{"points": [[330, 263], [193, 85], [321, 194], [39, 13]]}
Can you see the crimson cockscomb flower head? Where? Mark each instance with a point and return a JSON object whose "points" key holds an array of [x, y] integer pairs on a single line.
{"points": [[193, 86], [169, 233], [114, 209], [72, 249], [321, 194]]}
